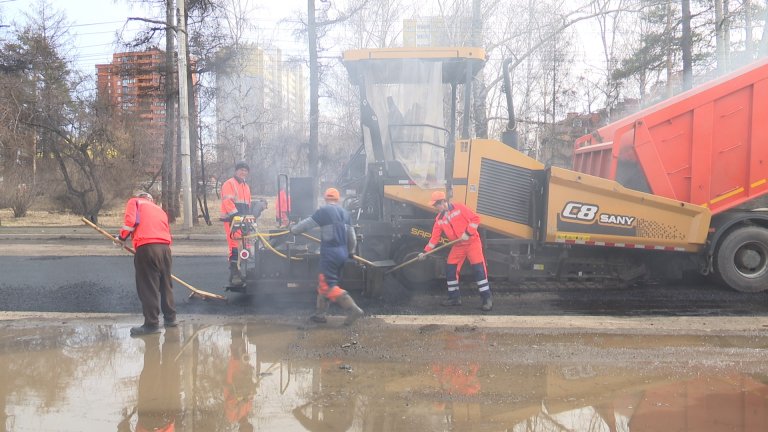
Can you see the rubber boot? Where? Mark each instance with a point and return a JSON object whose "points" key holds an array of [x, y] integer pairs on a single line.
{"points": [[353, 311], [487, 301], [235, 278], [320, 309], [454, 299]]}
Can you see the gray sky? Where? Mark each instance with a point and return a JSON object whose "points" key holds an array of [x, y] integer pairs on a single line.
{"points": [[95, 23]]}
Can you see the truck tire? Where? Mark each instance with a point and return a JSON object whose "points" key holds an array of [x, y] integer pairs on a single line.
{"points": [[742, 259]]}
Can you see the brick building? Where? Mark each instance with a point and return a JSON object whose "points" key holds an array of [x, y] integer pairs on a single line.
{"points": [[134, 83]]}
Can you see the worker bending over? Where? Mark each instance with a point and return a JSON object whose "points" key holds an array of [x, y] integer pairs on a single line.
{"points": [[147, 223]]}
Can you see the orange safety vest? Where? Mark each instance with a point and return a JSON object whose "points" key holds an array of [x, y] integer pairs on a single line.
{"points": [[453, 222], [146, 222], [235, 198], [283, 206]]}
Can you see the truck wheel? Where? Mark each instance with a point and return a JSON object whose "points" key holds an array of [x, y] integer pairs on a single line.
{"points": [[742, 259], [417, 276]]}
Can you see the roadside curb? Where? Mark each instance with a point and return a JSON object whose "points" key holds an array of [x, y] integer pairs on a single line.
{"points": [[95, 236], [74, 234]]}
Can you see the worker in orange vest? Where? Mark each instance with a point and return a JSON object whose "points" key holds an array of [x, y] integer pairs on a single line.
{"points": [[283, 206], [147, 223], [457, 221], [235, 201]]}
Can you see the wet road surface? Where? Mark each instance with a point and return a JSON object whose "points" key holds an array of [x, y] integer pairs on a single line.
{"points": [[63, 374], [105, 284], [653, 358]]}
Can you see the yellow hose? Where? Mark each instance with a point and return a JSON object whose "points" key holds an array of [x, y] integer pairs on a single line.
{"points": [[269, 246], [258, 234]]}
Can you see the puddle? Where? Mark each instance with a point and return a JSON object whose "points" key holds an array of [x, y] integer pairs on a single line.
{"points": [[262, 376]]}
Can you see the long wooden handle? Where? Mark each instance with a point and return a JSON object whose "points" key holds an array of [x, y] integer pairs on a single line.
{"points": [[413, 260], [130, 249], [105, 234], [354, 257]]}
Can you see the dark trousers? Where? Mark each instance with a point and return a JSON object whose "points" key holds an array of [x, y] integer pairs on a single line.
{"points": [[153, 282], [159, 404]]}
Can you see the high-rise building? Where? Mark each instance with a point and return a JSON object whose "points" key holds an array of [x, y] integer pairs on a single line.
{"points": [[134, 83], [258, 96]]}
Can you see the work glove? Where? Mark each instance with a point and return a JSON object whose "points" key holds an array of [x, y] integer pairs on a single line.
{"points": [[117, 242], [422, 256], [465, 236]]}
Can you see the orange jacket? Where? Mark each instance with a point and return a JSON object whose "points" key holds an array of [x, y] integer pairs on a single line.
{"points": [[146, 222], [235, 199], [283, 205], [453, 222]]}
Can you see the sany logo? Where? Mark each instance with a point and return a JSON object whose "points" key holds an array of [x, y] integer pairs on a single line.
{"points": [[587, 213], [579, 211]]}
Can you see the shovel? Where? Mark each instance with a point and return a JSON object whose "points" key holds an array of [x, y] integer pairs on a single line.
{"points": [[373, 264], [195, 291], [375, 275], [413, 260]]}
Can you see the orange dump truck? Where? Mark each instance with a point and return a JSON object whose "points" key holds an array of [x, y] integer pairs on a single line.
{"points": [[708, 147]]}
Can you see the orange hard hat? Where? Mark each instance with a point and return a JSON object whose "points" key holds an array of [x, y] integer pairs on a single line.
{"points": [[437, 196], [331, 194]]}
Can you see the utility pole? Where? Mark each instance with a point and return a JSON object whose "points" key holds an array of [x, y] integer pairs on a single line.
{"points": [[314, 111], [186, 174]]}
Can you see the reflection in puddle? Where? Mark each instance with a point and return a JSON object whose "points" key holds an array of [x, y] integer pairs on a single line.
{"points": [[256, 376]]}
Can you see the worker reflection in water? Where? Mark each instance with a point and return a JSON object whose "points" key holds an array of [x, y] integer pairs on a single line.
{"points": [[159, 405], [456, 221], [235, 201], [334, 408], [147, 223], [338, 242], [239, 388]]}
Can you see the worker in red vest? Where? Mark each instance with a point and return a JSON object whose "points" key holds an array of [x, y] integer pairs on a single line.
{"points": [[457, 221], [235, 201], [147, 223]]}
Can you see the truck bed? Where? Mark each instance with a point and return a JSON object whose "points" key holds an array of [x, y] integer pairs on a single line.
{"points": [[707, 146]]}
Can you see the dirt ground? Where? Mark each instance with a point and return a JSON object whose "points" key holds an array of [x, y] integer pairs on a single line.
{"points": [[42, 215]]}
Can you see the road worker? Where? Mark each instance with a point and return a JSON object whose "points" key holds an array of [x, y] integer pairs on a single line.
{"points": [[283, 206], [235, 201], [457, 221], [147, 223], [338, 242]]}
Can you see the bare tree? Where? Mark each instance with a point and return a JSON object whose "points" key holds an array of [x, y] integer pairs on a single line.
{"points": [[71, 137], [686, 44], [764, 39]]}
